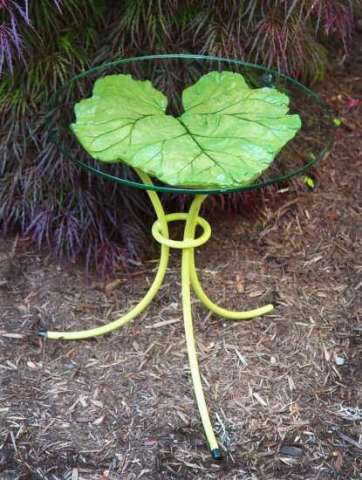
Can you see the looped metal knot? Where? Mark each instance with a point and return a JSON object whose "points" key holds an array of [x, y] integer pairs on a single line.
{"points": [[186, 242]]}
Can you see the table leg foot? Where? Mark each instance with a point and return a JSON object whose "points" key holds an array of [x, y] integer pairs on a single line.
{"points": [[216, 454]]}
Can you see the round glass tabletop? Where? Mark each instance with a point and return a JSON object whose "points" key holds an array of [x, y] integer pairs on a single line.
{"points": [[171, 74]]}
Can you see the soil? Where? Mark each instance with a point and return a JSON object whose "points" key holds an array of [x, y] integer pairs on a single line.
{"points": [[284, 391]]}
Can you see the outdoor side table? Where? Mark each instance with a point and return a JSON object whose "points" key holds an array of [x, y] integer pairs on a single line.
{"points": [[171, 74]]}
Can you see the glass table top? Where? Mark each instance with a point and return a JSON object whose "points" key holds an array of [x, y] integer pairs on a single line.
{"points": [[171, 74]]}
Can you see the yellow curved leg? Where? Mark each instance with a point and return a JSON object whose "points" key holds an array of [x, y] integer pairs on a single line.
{"points": [[187, 254], [119, 322], [223, 312]]}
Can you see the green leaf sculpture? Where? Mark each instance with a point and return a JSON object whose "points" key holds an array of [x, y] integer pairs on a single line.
{"points": [[227, 136]]}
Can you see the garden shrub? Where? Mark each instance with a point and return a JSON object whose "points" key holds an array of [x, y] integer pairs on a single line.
{"points": [[45, 42]]}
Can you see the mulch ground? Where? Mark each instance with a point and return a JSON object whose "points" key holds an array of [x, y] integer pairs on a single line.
{"points": [[285, 391]]}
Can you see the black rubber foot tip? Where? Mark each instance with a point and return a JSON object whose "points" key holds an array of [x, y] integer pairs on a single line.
{"points": [[42, 332], [216, 454]]}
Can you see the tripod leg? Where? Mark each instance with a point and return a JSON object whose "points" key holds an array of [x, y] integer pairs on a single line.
{"points": [[223, 312], [187, 254], [157, 282]]}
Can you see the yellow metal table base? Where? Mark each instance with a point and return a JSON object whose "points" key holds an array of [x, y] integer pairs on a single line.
{"points": [[189, 278]]}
